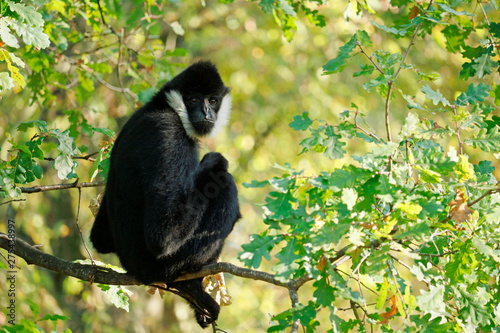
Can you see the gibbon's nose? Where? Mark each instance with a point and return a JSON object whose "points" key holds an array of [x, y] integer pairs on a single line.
{"points": [[209, 112]]}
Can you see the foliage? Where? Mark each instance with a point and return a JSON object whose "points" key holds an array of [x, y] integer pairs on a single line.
{"points": [[396, 232], [411, 206]]}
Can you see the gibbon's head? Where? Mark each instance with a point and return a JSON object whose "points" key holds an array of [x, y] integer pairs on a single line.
{"points": [[201, 99]]}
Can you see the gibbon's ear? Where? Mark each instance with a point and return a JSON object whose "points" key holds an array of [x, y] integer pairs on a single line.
{"points": [[223, 115]]}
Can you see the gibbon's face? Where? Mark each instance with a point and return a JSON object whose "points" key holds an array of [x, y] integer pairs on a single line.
{"points": [[201, 100], [203, 112]]}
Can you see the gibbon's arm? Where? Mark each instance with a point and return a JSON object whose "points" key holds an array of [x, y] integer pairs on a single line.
{"points": [[172, 218], [174, 208]]}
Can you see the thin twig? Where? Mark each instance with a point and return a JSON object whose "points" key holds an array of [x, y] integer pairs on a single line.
{"points": [[485, 194], [457, 132], [370, 58], [6, 202], [362, 283], [387, 119], [399, 292], [80, 229], [120, 49], [411, 44], [362, 129], [363, 297], [87, 157], [45, 188], [358, 267], [406, 266]]}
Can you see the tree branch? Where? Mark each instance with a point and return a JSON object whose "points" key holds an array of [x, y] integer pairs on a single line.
{"points": [[33, 256], [98, 274], [44, 188]]}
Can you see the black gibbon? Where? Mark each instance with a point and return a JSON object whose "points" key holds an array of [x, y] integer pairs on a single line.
{"points": [[164, 212]]}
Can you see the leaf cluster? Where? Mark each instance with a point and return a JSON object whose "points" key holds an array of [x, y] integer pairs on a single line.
{"points": [[414, 203]]}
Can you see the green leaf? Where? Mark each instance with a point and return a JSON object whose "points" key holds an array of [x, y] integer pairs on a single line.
{"points": [[484, 65], [280, 204], [461, 263], [104, 131], [283, 5], [27, 13], [6, 82], [35, 309], [117, 295], [365, 70], [338, 64], [288, 257], [267, 5], [324, 293], [101, 67], [259, 247], [32, 35], [464, 169], [484, 167], [428, 325], [301, 123], [429, 176], [432, 302], [394, 31], [54, 317], [5, 34], [256, 184], [450, 10], [435, 96], [455, 37], [333, 145], [474, 94], [282, 184], [42, 125], [64, 165], [486, 140], [349, 176], [145, 95], [383, 292]]}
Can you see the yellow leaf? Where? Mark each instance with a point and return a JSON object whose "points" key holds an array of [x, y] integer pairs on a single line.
{"points": [[56, 6], [464, 169], [410, 208]]}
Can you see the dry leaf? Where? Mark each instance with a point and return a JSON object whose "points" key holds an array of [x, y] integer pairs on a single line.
{"points": [[216, 287], [152, 290], [95, 203], [322, 263], [460, 212], [415, 11], [392, 311]]}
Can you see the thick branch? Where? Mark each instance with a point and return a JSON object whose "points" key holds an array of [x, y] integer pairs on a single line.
{"points": [[33, 256], [98, 274]]}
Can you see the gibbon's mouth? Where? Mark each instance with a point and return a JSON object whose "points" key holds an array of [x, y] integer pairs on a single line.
{"points": [[204, 122], [203, 127]]}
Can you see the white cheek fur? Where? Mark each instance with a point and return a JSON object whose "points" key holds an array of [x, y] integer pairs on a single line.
{"points": [[223, 115], [174, 99]]}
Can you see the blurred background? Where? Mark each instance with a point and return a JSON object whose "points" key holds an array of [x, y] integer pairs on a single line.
{"points": [[272, 80]]}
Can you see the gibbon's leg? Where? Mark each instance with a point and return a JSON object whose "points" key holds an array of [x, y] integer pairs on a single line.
{"points": [[101, 235]]}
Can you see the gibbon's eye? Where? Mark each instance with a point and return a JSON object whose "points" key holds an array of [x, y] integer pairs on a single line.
{"points": [[193, 100], [213, 101]]}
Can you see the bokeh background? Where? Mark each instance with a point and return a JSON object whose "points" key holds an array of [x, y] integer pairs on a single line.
{"points": [[272, 80]]}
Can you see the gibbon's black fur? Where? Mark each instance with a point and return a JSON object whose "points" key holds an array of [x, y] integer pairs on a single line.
{"points": [[164, 212]]}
